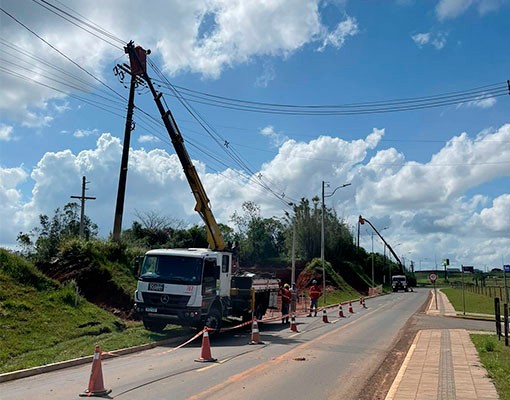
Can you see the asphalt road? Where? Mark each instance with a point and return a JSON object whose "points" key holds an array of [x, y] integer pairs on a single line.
{"points": [[338, 360]]}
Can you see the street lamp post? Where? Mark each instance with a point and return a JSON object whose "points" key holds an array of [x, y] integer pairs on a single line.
{"points": [[322, 236], [373, 280]]}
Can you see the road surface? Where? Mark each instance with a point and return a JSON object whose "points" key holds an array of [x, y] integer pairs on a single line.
{"points": [[341, 359]]}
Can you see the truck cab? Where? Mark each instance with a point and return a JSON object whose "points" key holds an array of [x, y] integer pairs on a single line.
{"points": [[183, 286], [399, 282]]}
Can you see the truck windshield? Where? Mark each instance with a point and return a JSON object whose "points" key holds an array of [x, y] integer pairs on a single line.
{"points": [[399, 279], [172, 269]]}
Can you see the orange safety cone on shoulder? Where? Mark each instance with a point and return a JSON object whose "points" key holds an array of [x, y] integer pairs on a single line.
{"points": [[350, 308], [341, 311], [96, 385], [325, 316], [205, 354], [293, 326], [255, 334]]}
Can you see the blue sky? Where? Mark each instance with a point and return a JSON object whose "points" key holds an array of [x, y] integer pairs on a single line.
{"points": [[437, 177]]}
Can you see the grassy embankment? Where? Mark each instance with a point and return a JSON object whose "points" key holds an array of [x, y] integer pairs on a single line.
{"points": [[42, 321], [472, 303], [494, 355]]}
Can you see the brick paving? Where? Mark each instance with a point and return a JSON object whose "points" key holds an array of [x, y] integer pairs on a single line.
{"points": [[442, 364]]}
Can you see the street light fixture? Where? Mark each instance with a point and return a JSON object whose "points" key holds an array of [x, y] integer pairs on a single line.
{"points": [[322, 235]]}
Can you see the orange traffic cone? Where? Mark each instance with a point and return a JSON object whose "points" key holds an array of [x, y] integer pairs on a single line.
{"points": [[96, 385], [205, 355], [341, 312], [325, 316], [350, 308], [293, 326], [255, 336]]}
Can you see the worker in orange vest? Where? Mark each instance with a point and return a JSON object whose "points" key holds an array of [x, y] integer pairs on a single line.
{"points": [[286, 298], [315, 292]]}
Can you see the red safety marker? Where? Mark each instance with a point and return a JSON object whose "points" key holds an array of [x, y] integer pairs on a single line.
{"points": [[96, 385], [205, 355]]}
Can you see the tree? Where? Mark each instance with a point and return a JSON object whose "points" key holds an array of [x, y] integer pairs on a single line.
{"points": [[64, 224], [260, 239]]}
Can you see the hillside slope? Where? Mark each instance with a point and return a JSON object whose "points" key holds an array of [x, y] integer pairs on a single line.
{"points": [[43, 321]]}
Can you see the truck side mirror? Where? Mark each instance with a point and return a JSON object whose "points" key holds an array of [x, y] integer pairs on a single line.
{"points": [[138, 263]]}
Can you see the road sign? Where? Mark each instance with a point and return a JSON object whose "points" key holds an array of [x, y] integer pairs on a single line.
{"points": [[433, 277], [507, 268]]}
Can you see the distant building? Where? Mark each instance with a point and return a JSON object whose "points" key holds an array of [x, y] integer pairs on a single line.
{"points": [[452, 269]]}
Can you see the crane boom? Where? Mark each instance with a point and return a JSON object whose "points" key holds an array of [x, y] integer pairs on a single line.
{"points": [[214, 238], [363, 220]]}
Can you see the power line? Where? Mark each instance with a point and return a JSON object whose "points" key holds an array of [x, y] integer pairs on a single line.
{"points": [[61, 53]]}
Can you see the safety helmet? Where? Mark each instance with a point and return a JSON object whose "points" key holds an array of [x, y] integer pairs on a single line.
{"points": [[286, 285], [314, 281]]}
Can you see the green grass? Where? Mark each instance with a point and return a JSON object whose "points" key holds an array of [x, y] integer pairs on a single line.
{"points": [[339, 296], [474, 303], [40, 323], [495, 357]]}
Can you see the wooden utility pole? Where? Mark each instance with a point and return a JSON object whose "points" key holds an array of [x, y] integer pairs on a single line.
{"points": [[121, 192], [83, 198]]}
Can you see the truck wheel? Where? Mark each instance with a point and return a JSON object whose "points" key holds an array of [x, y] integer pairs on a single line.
{"points": [[154, 326], [213, 320]]}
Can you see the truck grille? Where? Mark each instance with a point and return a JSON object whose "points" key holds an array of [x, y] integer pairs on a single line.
{"points": [[165, 300]]}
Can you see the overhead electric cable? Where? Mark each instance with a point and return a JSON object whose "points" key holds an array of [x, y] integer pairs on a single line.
{"points": [[67, 16], [61, 53]]}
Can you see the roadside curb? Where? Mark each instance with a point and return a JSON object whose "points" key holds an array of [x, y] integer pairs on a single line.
{"points": [[23, 373]]}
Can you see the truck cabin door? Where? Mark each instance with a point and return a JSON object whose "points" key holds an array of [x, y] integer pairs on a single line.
{"points": [[210, 277], [225, 264]]}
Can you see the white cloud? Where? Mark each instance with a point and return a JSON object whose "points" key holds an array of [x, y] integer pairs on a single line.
{"points": [[438, 39], [204, 37], [267, 76], [497, 218], [147, 139], [80, 133], [426, 205], [485, 102], [337, 38], [5, 132], [421, 38], [446, 9], [276, 138], [11, 211]]}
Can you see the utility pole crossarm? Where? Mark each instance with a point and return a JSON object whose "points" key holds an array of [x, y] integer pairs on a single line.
{"points": [[82, 208]]}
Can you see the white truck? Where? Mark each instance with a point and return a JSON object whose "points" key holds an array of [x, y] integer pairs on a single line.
{"points": [[399, 282], [196, 287]]}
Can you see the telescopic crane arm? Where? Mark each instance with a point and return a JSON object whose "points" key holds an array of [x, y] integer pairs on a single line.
{"points": [[137, 57], [362, 221]]}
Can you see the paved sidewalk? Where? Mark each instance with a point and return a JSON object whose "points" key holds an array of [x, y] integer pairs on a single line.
{"points": [[441, 306], [442, 364]]}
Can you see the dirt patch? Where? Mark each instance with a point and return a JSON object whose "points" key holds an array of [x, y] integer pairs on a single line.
{"points": [[380, 382]]}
